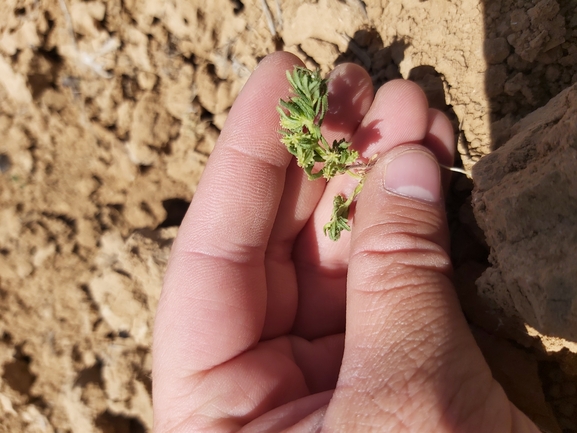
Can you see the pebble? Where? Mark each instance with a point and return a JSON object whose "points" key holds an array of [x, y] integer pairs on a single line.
{"points": [[496, 50]]}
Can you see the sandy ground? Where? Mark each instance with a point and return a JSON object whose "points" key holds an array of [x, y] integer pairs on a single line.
{"points": [[108, 112]]}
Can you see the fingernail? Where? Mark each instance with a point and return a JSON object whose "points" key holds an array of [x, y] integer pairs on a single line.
{"points": [[414, 174]]}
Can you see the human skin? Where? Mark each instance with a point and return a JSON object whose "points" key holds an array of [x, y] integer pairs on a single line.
{"points": [[264, 324]]}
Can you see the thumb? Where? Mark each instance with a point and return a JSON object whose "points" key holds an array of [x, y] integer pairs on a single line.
{"points": [[406, 339]]}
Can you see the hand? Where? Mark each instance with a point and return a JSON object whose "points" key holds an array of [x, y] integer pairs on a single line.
{"points": [[250, 329]]}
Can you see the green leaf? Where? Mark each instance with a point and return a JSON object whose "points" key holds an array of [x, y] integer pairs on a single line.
{"points": [[339, 219], [339, 158]]}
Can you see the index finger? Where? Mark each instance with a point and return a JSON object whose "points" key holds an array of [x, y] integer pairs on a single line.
{"points": [[213, 302]]}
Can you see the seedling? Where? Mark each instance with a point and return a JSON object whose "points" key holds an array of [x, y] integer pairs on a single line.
{"points": [[301, 119]]}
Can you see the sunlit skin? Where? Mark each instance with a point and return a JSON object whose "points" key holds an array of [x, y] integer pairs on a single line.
{"points": [[264, 324]]}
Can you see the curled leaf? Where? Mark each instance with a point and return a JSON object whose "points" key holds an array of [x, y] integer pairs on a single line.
{"points": [[339, 218]]}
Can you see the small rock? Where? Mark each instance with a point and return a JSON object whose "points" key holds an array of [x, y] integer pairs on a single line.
{"points": [[519, 20], [146, 80], [552, 72], [496, 50], [543, 10], [515, 84]]}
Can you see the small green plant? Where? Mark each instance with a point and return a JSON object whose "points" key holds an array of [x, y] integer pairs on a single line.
{"points": [[301, 118]]}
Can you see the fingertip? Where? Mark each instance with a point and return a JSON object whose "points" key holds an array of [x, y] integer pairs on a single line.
{"points": [[253, 117], [440, 138], [350, 94], [405, 89], [402, 192], [398, 115], [405, 96], [279, 59]]}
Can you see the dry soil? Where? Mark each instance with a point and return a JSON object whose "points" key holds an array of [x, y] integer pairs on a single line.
{"points": [[108, 113]]}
